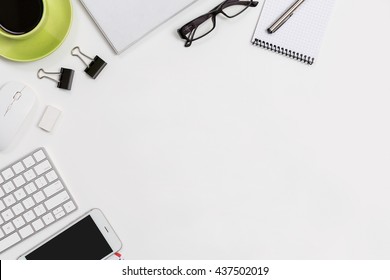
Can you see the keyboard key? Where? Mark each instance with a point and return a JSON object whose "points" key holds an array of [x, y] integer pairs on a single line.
{"points": [[8, 228], [28, 162], [1, 234], [2, 206], [69, 206], [29, 216], [39, 197], [53, 188], [7, 215], [40, 182], [1, 179], [19, 222], [48, 219], [18, 209], [20, 194], [58, 210], [38, 224], [9, 241], [42, 167], [40, 210], [30, 188], [51, 176], [57, 200], [8, 187], [1, 221], [60, 215], [19, 181], [8, 174], [29, 175], [26, 231], [28, 203], [39, 156], [9, 200], [1, 192], [18, 168]]}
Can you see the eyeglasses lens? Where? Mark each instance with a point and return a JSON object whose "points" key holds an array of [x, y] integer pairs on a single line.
{"points": [[234, 10], [204, 28]]}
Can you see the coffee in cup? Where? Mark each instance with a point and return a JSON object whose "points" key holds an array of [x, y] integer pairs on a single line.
{"points": [[19, 17]]}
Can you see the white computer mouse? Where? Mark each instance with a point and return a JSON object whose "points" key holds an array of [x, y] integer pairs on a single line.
{"points": [[16, 103]]}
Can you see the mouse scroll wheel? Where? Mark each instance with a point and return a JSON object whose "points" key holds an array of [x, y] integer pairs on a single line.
{"points": [[17, 95]]}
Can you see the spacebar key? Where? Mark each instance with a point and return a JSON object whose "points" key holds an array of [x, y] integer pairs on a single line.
{"points": [[9, 241], [57, 200]]}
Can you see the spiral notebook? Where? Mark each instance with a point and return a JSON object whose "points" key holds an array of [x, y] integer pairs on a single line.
{"points": [[300, 37]]}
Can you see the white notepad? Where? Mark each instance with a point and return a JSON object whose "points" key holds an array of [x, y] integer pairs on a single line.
{"points": [[124, 22], [300, 37]]}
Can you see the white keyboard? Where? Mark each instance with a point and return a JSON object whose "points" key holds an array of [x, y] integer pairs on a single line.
{"points": [[32, 197]]}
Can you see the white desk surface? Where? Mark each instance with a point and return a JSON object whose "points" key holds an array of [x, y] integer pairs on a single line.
{"points": [[224, 150]]}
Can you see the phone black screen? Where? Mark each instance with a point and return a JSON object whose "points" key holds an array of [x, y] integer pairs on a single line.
{"points": [[82, 241]]}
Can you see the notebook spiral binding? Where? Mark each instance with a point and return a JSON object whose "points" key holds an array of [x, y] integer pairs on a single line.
{"points": [[300, 57]]}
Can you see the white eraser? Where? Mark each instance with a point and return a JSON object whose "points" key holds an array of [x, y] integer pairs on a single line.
{"points": [[49, 118]]}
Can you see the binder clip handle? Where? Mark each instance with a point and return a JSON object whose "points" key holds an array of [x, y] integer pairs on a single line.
{"points": [[94, 66], [65, 80], [76, 51], [42, 74]]}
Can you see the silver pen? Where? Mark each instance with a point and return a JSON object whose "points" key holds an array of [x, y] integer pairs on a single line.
{"points": [[285, 17]]}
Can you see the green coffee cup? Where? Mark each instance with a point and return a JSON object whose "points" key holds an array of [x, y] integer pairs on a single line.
{"points": [[20, 19]]}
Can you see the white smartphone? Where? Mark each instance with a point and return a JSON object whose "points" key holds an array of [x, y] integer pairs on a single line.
{"points": [[89, 238]]}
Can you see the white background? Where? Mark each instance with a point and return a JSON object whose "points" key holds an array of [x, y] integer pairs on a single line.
{"points": [[278, 270], [224, 150]]}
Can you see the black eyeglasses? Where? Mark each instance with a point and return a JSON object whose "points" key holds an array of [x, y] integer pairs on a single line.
{"points": [[203, 25]]}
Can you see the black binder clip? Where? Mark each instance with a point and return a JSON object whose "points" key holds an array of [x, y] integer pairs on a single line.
{"points": [[95, 66], [65, 80]]}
